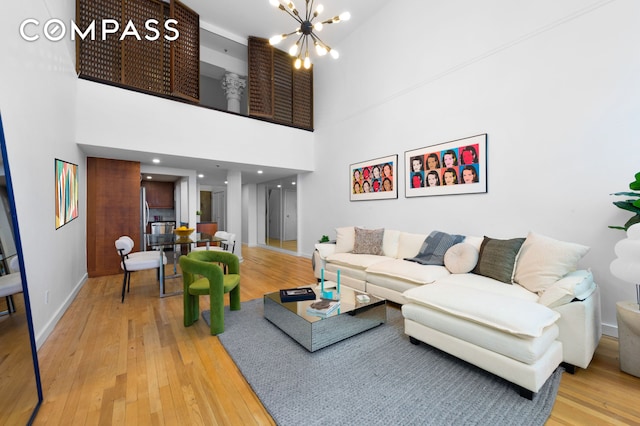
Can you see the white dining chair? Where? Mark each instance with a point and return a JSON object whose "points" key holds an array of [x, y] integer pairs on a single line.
{"points": [[137, 261]]}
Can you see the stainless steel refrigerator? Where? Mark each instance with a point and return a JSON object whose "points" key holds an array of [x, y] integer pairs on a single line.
{"points": [[144, 217]]}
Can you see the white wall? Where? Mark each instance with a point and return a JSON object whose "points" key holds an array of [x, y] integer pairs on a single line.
{"points": [[37, 102], [196, 132], [553, 84]]}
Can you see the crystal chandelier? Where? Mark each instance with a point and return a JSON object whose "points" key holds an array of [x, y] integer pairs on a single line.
{"points": [[306, 31]]}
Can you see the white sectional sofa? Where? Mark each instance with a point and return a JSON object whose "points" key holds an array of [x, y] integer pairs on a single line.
{"points": [[517, 308]]}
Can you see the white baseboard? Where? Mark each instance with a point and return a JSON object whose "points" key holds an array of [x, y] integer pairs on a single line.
{"points": [[610, 330], [48, 329]]}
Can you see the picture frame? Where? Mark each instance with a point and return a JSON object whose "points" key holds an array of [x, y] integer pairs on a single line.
{"points": [[378, 176], [466, 170], [66, 187]]}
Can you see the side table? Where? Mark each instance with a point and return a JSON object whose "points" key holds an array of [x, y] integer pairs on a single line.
{"points": [[628, 316]]}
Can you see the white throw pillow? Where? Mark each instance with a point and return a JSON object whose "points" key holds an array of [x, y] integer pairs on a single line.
{"points": [[345, 239], [575, 285], [409, 244], [474, 241], [461, 258], [543, 261], [390, 242]]}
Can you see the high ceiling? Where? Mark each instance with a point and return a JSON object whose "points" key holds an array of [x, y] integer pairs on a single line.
{"points": [[239, 20], [225, 27]]}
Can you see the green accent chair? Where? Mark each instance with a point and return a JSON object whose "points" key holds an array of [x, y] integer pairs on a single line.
{"points": [[202, 276]]}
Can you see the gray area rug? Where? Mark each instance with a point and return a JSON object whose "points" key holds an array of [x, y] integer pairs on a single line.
{"points": [[377, 377]]}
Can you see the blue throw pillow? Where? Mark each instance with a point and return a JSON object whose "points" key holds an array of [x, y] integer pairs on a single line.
{"points": [[434, 247]]}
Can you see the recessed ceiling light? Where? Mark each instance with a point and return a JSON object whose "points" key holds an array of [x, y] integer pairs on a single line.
{"points": [[149, 177], [259, 172], [156, 160], [279, 186], [225, 182], [200, 175], [293, 183]]}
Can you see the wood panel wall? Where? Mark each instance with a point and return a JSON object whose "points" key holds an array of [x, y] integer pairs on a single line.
{"points": [[113, 210], [278, 91]]}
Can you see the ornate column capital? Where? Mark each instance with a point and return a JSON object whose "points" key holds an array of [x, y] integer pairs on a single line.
{"points": [[233, 85]]}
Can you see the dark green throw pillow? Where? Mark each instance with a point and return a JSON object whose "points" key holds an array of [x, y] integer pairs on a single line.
{"points": [[497, 258]]}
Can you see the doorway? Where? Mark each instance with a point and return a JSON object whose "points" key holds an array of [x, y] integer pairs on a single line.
{"points": [[282, 214], [205, 206], [218, 210]]}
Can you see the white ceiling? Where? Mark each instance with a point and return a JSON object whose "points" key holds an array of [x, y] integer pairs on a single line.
{"points": [[237, 20], [225, 27]]}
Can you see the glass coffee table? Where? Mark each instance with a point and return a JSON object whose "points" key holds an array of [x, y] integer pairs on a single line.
{"points": [[314, 332]]}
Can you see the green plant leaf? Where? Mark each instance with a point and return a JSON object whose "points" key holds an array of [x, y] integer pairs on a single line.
{"points": [[627, 194], [617, 227], [632, 221], [627, 205]]}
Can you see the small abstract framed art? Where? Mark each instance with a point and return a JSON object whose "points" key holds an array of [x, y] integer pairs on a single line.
{"points": [[456, 167], [66, 192], [374, 179]]}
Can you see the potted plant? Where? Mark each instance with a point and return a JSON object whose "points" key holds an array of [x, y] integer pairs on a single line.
{"points": [[198, 213], [631, 204], [324, 239]]}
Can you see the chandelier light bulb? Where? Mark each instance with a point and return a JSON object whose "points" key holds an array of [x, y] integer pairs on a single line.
{"points": [[307, 63], [319, 10], [320, 49], [345, 16], [276, 39], [293, 50], [334, 53], [298, 63], [318, 26], [274, 3]]}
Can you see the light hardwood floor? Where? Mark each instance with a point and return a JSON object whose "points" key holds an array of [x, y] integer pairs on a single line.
{"points": [[135, 363]]}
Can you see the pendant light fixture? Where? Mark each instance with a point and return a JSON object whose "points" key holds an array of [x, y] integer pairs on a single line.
{"points": [[305, 31]]}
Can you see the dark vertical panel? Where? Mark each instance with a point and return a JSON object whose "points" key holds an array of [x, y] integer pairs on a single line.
{"points": [[97, 58], [143, 59], [302, 101], [260, 78], [113, 210], [185, 53], [282, 82]]}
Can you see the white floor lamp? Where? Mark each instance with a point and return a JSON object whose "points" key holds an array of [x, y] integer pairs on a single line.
{"points": [[627, 268]]}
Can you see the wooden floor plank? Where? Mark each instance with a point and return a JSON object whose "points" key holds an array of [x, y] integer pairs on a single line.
{"points": [[135, 363]]}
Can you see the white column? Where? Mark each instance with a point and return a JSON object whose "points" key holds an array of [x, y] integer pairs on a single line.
{"points": [[250, 214], [234, 208], [233, 85]]}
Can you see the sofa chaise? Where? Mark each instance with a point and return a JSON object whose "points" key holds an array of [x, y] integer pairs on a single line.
{"points": [[517, 308]]}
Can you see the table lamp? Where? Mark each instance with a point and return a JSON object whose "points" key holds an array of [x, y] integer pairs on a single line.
{"points": [[627, 267]]}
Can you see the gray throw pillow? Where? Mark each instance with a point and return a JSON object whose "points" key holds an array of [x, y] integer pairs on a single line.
{"points": [[368, 241], [497, 258], [434, 248]]}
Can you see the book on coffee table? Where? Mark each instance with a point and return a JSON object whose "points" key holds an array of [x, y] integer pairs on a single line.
{"points": [[297, 294], [323, 307]]}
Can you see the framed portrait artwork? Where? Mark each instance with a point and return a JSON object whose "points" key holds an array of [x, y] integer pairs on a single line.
{"points": [[374, 179], [456, 167], [66, 175]]}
